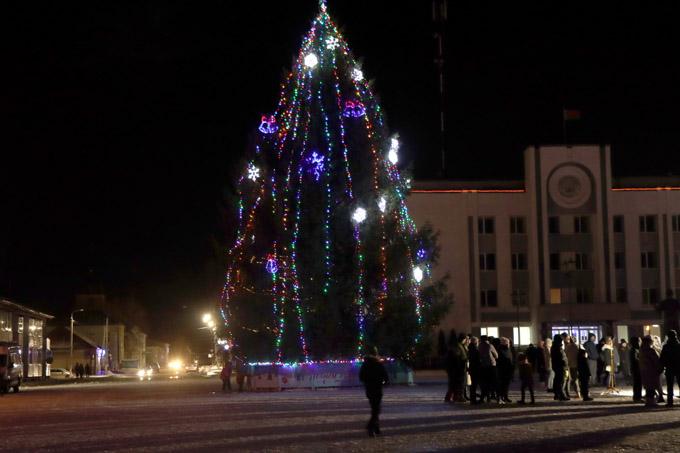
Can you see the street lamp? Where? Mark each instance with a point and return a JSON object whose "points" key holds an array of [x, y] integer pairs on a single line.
{"points": [[207, 317], [70, 355]]}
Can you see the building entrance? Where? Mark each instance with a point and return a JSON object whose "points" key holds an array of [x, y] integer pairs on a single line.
{"points": [[579, 332]]}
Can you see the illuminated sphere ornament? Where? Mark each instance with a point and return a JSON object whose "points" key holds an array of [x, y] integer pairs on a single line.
{"points": [[382, 204], [418, 274], [359, 215], [272, 266], [311, 60]]}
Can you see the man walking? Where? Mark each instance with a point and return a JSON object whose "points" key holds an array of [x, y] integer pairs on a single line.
{"points": [[373, 375]]}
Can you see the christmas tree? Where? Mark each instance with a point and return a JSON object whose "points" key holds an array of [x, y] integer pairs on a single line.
{"points": [[326, 258]]}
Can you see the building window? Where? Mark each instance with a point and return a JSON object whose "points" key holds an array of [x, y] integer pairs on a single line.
{"points": [[676, 223], [487, 261], [650, 296], [584, 296], [555, 264], [489, 331], [619, 260], [621, 295], [618, 224], [519, 261], [647, 223], [554, 225], [519, 297], [485, 225], [581, 224], [517, 225], [488, 298], [524, 337], [555, 295], [648, 260], [581, 261]]}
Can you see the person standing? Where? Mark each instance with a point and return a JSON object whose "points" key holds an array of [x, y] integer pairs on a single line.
{"points": [[549, 372], [583, 370], [593, 355], [526, 376], [624, 359], [607, 357], [656, 345], [559, 364], [540, 361], [571, 349], [487, 359], [506, 369], [670, 360], [225, 375], [474, 367], [374, 376], [649, 369], [634, 361]]}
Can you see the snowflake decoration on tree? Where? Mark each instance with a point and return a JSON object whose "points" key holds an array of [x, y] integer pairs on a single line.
{"points": [[253, 172], [316, 164], [332, 43]]}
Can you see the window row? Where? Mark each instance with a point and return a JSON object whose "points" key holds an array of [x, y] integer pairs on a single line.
{"points": [[581, 225], [648, 223], [489, 298], [566, 295], [569, 262], [487, 261], [487, 225]]}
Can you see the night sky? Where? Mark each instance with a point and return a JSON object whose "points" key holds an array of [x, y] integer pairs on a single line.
{"points": [[124, 123]]}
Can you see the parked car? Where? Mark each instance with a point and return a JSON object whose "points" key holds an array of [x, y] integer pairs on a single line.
{"points": [[130, 367], [60, 373], [11, 367]]}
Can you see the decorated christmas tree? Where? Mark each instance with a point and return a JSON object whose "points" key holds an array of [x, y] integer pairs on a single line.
{"points": [[326, 259]]}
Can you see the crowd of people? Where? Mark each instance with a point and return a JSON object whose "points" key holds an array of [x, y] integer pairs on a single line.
{"points": [[481, 369]]}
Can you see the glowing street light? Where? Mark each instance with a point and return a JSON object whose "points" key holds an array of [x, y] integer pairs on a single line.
{"points": [[207, 317]]}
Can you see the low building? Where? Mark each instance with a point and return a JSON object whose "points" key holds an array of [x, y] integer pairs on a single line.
{"points": [[25, 327], [568, 248]]}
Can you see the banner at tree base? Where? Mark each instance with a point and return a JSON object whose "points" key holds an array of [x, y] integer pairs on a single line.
{"points": [[320, 375]]}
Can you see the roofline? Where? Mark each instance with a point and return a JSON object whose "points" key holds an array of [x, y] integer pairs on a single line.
{"points": [[23, 308]]}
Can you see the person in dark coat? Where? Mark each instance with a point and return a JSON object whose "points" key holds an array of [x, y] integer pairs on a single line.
{"points": [[474, 367], [650, 369], [634, 363], [540, 361], [526, 376], [593, 356], [489, 376], [374, 376], [670, 360], [583, 369], [558, 360], [506, 369]]}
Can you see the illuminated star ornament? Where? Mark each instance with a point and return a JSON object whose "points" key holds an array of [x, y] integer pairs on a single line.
{"points": [[253, 172], [316, 164], [332, 43]]}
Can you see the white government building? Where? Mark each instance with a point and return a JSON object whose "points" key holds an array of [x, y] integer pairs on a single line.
{"points": [[569, 248]]}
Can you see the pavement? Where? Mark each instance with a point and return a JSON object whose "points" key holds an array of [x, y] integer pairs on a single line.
{"points": [[192, 414]]}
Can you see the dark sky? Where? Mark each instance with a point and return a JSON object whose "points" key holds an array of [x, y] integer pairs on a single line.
{"points": [[124, 122]]}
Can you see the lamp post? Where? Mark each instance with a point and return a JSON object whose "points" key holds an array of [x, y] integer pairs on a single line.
{"points": [[569, 267], [210, 324], [70, 355]]}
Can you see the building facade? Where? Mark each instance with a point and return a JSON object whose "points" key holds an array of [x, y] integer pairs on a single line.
{"points": [[25, 327], [569, 248]]}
